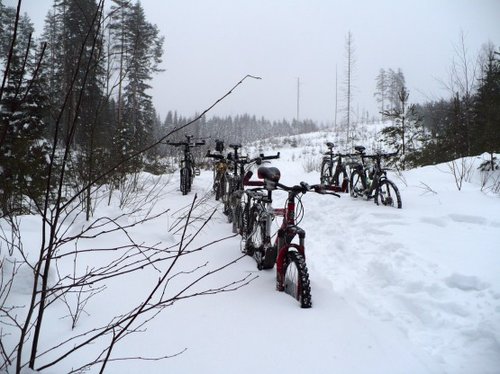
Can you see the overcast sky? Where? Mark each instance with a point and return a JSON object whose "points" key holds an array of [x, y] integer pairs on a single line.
{"points": [[211, 44]]}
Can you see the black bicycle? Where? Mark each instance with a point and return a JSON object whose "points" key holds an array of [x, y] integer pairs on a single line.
{"points": [[334, 169], [188, 168], [237, 198], [372, 182]]}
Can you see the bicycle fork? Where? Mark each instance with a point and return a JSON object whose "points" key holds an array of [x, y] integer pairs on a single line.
{"points": [[284, 243]]}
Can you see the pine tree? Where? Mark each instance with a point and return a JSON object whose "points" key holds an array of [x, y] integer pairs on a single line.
{"points": [[406, 133], [23, 149], [486, 129], [381, 89]]}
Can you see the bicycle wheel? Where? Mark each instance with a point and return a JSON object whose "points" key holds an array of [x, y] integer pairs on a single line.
{"points": [[238, 208], [357, 185], [296, 279], [388, 194], [190, 177], [226, 198], [244, 216], [326, 173], [341, 179], [184, 182], [220, 186], [256, 232]]}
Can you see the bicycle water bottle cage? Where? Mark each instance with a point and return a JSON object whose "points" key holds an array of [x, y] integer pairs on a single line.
{"points": [[273, 174], [359, 148]]}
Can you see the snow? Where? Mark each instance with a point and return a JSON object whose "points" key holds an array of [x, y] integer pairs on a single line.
{"points": [[412, 290]]}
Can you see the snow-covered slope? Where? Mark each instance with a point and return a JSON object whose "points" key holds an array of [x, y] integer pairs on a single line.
{"points": [[415, 290]]}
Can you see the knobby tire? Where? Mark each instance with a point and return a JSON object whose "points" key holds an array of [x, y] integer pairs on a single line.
{"points": [[387, 194], [296, 279]]}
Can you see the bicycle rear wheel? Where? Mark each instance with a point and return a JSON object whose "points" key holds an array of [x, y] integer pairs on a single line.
{"points": [[387, 194], [296, 279]]}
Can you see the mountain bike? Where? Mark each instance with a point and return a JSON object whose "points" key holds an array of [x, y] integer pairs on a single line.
{"points": [[188, 168], [239, 171], [220, 169], [334, 169], [292, 276], [372, 182]]}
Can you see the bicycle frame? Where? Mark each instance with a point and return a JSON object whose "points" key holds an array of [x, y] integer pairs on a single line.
{"points": [[331, 176]]}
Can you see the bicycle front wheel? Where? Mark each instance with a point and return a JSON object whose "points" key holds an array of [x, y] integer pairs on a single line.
{"points": [[220, 186], [341, 179], [326, 173], [357, 185], [387, 194], [238, 211], [296, 279], [185, 181], [256, 232]]}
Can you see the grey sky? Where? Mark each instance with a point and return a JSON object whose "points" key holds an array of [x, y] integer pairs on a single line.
{"points": [[211, 44]]}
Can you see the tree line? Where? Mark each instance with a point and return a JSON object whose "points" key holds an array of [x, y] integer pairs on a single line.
{"points": [[84, 86], [465, 124]]}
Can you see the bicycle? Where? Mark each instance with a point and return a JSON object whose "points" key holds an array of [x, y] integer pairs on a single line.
{"points": [[234, 183], [188, 168], [292, 276], [334, 169], [372, 183]]}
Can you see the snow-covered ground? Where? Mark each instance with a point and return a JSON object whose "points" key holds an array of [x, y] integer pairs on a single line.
{"points": [[415, 290]]}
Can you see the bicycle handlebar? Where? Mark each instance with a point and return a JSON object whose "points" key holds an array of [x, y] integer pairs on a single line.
{"points": [[304, 187], [214, 155], [190, 144], [381, 155], [258, 160]]}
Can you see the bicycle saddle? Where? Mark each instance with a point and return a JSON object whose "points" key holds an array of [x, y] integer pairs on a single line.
{"points": [[329, 145], [271, 173], [359, 148]]}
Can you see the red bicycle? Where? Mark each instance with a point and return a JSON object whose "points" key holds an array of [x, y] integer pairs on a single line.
{"points": [[292, 276]]}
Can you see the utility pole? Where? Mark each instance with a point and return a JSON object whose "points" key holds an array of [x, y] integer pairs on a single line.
{"points": [[336, 100], [298, 98]]}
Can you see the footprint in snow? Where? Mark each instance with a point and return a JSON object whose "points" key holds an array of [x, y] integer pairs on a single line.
{"points": [[464, 218], [465, 282], [433, 221]]}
